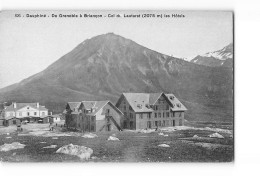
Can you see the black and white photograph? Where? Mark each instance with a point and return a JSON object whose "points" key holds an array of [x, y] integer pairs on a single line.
{"points": [[117, 86]]}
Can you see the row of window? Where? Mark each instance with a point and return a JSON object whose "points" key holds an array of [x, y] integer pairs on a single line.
{"points": [[163, 123], [92, 118], [161, 107], [130, 115], [150, 124], [92, 127], [156, 115], [27, 113], [131, 124], [129, 108], [167, 114]]}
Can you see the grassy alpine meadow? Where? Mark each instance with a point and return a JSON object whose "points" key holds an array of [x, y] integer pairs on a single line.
{"points": [[132, 146]]}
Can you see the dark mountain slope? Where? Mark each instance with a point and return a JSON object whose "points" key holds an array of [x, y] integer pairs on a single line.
{"points": [[105, 66]]}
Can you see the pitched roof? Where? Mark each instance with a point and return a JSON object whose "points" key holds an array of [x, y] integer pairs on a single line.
{"points": [[97, 105], [177, 105], [154, 97], [73, 105], [9, 117], [139, 101], [94, 104], [44, 116], [54, 116], [22, 105], [42, 108]]}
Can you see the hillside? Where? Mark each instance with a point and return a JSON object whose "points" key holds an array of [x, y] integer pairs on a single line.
{"points": [[219, 58], [106, 65]]}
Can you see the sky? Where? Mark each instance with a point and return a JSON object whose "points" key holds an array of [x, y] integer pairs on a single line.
{"points": [[29, 45]]}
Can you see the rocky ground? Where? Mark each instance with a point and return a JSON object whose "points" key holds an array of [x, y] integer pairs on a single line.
{"points": [[180, 144]]}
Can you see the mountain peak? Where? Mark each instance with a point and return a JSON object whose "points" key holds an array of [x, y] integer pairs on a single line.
{"points": [[222, 54], [221, 57], [104, 66], [109, 39]]}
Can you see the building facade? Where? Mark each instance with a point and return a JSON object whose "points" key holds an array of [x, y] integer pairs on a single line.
{"points": [[93, 116], [150, 110], [24, 111], [71, 114]]}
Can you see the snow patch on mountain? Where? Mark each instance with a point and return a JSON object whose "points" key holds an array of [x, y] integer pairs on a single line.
{"points": [[222, 54]]}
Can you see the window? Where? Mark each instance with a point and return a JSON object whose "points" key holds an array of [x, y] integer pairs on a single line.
{"points": [[161, 101], [125, 124], [92, 128], [159, 114], [107, 110], [125, 114], [43, 113], [167, 114], [167, 123], [167, 107], [155, 107], [149, 125], [131, 116], [159, 123], [14, 121], [172, 114], [125, 108], [35, 113], [149, 115], [141, 116], [173, 123], [156, 123], [163, 114], [130, 108], [28, 114], [131, 125], [92, 119], [163, 124], [155, 115]]}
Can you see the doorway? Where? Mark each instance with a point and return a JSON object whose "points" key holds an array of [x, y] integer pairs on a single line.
{"points": [[149, 125], [173, 123]]}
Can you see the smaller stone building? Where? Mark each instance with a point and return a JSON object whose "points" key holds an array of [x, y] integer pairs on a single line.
{"points": [[11, 120], [93, 116]]}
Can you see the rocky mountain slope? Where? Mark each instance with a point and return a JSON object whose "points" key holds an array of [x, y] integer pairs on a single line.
{"points": [[106, 65], [222, 57]]}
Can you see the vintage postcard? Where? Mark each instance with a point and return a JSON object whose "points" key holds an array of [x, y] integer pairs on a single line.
{"points": [[116, 86]]}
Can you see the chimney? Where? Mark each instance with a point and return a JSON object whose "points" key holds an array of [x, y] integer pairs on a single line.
{"points": [[37, 105], [14, 104]]}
